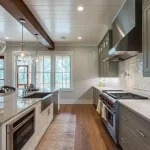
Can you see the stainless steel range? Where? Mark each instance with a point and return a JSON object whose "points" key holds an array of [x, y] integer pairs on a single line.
{"points": [[109, 109]]}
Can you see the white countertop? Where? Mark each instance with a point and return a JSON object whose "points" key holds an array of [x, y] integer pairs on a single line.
{"points": [[11, 105], [101, 88], [141, 107]]}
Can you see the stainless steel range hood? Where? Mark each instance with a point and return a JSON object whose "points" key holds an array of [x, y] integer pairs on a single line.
{"points": [[127, 31]]}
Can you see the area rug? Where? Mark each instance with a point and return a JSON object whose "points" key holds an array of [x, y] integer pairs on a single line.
{"points": [[60, 135]]}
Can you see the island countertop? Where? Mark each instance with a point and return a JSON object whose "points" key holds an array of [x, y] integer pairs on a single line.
{"points": [[12, 104]]}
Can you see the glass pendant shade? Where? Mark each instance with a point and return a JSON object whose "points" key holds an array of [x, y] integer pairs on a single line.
{"points": [[24, 55], [35, 60], [2, 46]]}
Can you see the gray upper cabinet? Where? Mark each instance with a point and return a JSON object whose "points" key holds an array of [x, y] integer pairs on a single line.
{"points": [[146, 38], [106, 68]]}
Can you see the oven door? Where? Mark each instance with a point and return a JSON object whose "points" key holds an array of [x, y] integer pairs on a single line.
{"points": [[22, 132], [110, 117], [110, 123]]}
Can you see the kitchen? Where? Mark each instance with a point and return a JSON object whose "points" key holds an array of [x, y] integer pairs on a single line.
{"points": [[68, 82]]}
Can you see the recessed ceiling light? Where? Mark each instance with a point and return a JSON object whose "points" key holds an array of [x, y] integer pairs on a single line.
{"points": [[6, 37], [63, 37], [79, 37], [80, 8]]}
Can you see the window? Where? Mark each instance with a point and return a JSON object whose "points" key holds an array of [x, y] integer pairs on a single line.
{"points": [[63, 71], [1, 70], [23, 72], [43, 73]]}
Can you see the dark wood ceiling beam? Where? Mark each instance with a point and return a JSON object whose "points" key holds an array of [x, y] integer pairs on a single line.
{"points": [[18, 9]]}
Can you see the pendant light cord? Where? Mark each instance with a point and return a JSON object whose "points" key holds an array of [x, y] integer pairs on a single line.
{"points": [[22, 37], [37, 45]]}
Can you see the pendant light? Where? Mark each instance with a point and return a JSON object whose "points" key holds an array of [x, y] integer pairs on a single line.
{"points": [[36, 59], [2, 46], [21, 53]]}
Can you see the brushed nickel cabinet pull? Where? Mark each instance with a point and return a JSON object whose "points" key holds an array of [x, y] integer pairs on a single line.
{"points": [[123, 118], [125, 141], [141, 133]]}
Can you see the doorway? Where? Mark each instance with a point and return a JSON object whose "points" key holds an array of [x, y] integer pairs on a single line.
{"points": [[22, 76]]}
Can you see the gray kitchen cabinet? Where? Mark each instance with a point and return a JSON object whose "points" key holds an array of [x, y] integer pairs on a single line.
{"points": [[146, 38], [106, 68], [145, 3], [134, 131], [95, 96]]}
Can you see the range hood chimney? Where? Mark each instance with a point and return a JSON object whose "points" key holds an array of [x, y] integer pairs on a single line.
{"points": [[127, 31]]}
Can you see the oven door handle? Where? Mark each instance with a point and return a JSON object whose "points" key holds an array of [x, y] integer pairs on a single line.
{"points": [[22, 123], [109, 110]]}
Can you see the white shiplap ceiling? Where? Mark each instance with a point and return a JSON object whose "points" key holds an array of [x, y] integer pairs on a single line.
{"points": [[61, 18], [11, 28]]}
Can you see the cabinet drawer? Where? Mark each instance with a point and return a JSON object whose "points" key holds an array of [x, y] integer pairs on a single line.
{"points": [[128, 140], [137, 124]]}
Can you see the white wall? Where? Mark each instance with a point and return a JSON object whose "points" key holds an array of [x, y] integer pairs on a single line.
{"points": [[134, 81], [85, 71], [85, 74]]}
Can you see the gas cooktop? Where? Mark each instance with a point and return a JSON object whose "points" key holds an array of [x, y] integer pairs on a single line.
{"points": [[119, 94]]}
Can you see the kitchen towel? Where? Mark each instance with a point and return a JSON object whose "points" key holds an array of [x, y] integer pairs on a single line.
{"points": [[103, 111], [98, 107]]}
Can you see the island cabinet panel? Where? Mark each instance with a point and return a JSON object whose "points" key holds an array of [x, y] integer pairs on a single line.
{"points": [[106, 68], [134, 131], [56, 102], [146, 39], [42, 121], [45, 119]]}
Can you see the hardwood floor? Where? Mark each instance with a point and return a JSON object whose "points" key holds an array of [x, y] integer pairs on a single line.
{"points": [[90, 132]]}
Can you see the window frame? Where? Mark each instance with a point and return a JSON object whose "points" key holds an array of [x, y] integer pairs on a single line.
{"points": [[64, 53], [3, 58], [25, 66], [40, 55]]}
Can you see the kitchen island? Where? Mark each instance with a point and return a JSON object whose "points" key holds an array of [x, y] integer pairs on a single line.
{"points": [[14, 107]]}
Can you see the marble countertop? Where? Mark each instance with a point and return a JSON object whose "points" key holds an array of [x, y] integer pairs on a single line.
{"points": [[101, 88], [12, 104], [140, 107]]}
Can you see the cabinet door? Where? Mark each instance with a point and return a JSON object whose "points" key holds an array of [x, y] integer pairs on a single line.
{"points": [[42, 123], [145, 3], [128, 140], [49, 116], [94, 95], [146, 43]]}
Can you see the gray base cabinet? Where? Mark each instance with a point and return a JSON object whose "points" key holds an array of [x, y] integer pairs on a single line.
{"points": [[134, 131], [95, 96], [146, 38]]}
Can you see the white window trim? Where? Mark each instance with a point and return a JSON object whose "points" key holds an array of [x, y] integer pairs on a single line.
{"points": [[52, 54], [63, 53]]}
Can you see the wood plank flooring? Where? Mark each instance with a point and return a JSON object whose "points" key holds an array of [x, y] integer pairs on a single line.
{"points": [[90, 131]]}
